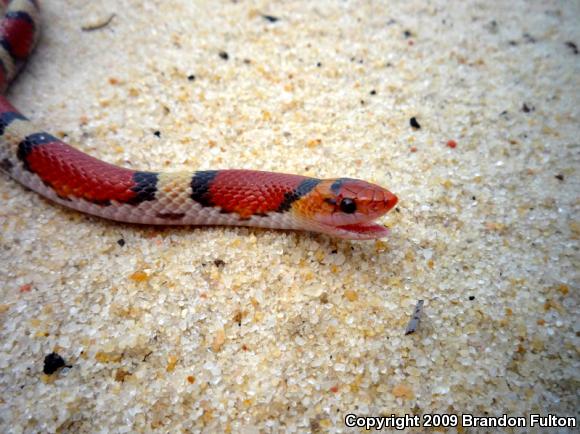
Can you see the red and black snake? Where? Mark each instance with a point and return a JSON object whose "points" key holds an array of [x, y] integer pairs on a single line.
{"points": [[340, 207]]}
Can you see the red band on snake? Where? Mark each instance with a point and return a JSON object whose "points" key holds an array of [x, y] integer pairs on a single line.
{"points": [[341, 207]]}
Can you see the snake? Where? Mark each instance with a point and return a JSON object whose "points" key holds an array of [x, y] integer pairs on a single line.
{"points": [[340, 207]]}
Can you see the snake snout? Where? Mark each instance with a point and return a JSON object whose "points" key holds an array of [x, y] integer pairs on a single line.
{"points": [[389, 200]]}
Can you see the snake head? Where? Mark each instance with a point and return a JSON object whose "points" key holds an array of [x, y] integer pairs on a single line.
{"points": [[346, 208]]}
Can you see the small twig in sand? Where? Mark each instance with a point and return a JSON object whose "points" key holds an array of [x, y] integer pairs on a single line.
{"points": [[415, 319]]}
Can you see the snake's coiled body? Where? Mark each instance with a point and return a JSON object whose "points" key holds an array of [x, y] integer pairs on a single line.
{"points": [[341, 207]]}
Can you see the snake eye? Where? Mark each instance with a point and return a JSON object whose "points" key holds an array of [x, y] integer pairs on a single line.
{"points": [[347, 206]]}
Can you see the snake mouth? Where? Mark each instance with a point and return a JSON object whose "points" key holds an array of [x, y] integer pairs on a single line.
{"points": [[360, 231]]}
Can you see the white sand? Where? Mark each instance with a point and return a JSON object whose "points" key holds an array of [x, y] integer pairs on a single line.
{"points": [[293, 331]]}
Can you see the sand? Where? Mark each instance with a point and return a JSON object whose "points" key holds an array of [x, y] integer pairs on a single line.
{"points": [[248, 330]]}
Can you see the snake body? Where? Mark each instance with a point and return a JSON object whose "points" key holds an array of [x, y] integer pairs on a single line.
{"points": [[341, 207]]}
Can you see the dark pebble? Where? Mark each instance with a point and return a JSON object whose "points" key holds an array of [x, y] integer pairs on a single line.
{"points": [[224, 55], [52, 363], [527, 109], [270, 18], [414, 123], [121, 242], [573, 46]]}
